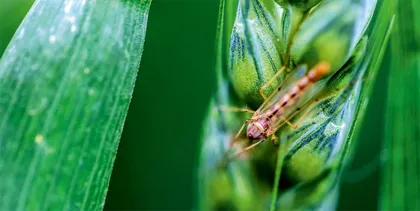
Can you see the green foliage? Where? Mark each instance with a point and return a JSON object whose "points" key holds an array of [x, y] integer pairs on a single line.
{"points": [[66, 80], [400, 183], [304, 170]]}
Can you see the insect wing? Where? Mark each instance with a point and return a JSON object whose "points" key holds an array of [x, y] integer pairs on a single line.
{"points": [[284, 87], [296, 105]]}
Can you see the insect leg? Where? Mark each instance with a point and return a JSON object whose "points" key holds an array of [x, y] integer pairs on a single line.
{"points": [[249, 147], [293, 126], [238, 134], [352, 83], [234, 109], [274, 139], [268, 83], [242, 128], [302, 117]]}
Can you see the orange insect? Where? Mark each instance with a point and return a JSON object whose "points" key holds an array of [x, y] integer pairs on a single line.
{"points": [[271, 115]]}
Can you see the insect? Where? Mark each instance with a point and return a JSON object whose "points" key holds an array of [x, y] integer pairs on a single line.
{"points": [[271, 115]]}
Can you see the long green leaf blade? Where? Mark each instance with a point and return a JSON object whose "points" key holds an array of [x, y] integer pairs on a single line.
{"points": [[66, 81], [401, 174]]}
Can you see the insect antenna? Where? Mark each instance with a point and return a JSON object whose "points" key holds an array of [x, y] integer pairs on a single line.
{"points": [[248, 148]]}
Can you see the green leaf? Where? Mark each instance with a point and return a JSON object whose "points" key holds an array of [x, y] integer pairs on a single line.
{"points": [[304, 170], [400, 189], [66, 80]]}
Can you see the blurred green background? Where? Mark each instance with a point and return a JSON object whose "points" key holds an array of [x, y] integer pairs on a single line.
{"points": [[158, 154]]}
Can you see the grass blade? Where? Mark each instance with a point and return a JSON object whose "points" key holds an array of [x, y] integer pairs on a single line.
{"points": [[400, 188], [66, 80]]}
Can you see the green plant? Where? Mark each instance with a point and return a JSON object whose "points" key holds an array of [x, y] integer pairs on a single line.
{"points": [[66, 80], [400, 182], [304, 170]]}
